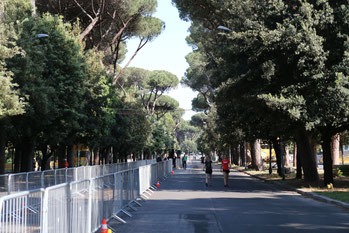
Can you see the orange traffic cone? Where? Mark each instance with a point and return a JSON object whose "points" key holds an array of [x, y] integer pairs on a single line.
{"points": [[172, 172], [104, 228], [158, 184]]}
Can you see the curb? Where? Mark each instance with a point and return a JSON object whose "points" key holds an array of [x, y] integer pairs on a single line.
{"points": [[308, 194]]}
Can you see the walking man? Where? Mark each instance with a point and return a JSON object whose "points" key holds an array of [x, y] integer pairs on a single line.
{"points": [[208, 170], [184, 161], [203, 162]]}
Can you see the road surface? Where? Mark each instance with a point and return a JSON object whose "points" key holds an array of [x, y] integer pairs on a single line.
{"points": [[184, 204]]}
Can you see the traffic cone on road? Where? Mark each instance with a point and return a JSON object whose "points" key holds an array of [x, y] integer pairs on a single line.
{"points": [[158, 184], [104, 228], [172, 172]]}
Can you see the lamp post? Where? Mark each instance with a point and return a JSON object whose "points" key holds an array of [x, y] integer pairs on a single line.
{"points": [[41, 36], [224, 28]]}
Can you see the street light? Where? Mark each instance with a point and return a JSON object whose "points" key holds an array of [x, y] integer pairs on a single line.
{"points": [[41, 36], [224, 28]]}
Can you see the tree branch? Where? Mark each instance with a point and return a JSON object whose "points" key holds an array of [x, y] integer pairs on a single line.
{"points": [[140, 46]]}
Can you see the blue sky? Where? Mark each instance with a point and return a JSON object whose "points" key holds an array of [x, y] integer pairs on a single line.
{"points": [[167, 52]]}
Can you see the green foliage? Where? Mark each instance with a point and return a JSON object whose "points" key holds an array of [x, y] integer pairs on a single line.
{"points": [[199, 103], [160, 81], [10, 102], [131, 129], [198, 120], [276, 63], [149, 27], [189, 146], [339, 173], [134, 78]]}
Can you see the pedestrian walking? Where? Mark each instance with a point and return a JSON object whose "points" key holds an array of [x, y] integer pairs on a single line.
{"points": [[226, 170], [203, 162], [208, 170], [184, 161]]}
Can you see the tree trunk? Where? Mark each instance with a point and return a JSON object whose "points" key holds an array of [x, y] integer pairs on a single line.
{"points": [[236, 155], [61, 153], [314, 145], [96, 156], [110, 155], [248, 153], [28, 150], [18, 157], [335, 149], [253, 156], [307, 157], [242, 155], [45, 162], [341, 146], [327, 157], [295, 154], [287, 156], [70, 155], [277, 149], [256, 156], [298, 162], [115, 155]]}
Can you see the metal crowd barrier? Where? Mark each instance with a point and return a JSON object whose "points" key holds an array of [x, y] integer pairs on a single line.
{"points": [[11, 183], [79, 206]]}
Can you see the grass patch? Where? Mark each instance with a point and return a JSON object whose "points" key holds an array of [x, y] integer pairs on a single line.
{"points": [[341, 184], [338, 195]]}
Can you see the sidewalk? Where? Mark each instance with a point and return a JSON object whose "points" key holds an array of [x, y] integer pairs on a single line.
{"points": [[183, 204], [303, 192]]}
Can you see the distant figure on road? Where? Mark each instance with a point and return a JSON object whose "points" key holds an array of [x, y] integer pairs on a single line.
{"points": [[203, 162], [208, 170], [65, 163], [184, 161], [225, 168]]}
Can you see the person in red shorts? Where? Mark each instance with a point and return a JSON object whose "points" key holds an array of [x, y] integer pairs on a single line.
{"points": [[225, 168]]}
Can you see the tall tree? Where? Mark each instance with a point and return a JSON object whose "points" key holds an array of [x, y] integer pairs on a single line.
{"points": [[50, 77], [10, 101]]}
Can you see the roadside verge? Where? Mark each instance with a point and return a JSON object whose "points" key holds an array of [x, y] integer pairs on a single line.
{"points": [[304, 193]]}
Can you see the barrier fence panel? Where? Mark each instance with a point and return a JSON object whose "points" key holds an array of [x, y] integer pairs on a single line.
{"points": [[49, 178], [96, 203], [80, 173], [33, 181], [136, 183], [56, 209], [108, 195], [77, 206], [61, 176], [142, 178], [154, 174], [17, 182], [125, 192], [80, 206], [4, 189], [118, 178], [21, 212], [70, 174]]}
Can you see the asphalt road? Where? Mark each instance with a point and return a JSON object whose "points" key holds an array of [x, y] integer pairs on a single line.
{"points": [[183, 204]]}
